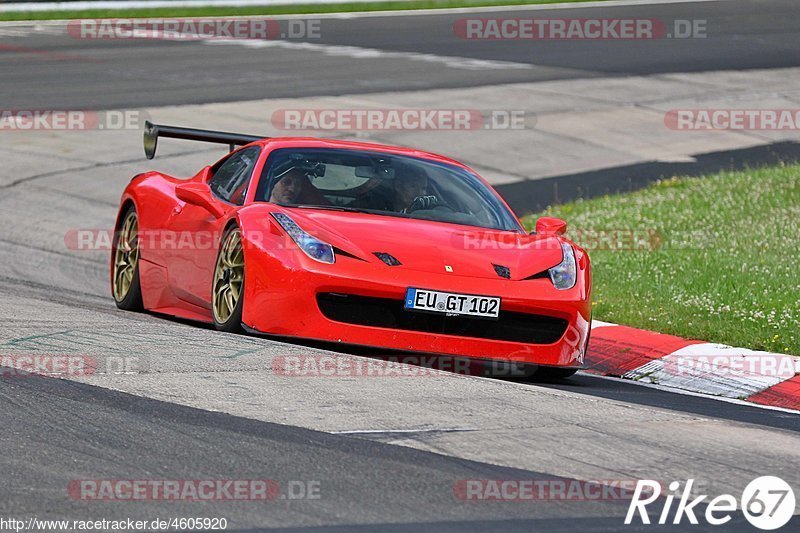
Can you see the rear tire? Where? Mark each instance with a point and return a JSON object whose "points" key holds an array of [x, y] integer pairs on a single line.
{"points": [[227, 288], [125, 286]]}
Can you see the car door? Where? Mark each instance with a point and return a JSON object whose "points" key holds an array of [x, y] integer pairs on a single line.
{"points": [[197, 232]]}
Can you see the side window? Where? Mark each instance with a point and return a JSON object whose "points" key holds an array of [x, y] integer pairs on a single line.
{"points": [[232, 177]]}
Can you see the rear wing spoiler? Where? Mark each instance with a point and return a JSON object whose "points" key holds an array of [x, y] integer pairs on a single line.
{"points": [[153, 131]]}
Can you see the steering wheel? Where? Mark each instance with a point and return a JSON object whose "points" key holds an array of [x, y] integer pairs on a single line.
{"points": [[427, 202]]}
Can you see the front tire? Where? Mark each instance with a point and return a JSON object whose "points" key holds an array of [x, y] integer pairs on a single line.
{"points": [[553, 374], [227, 290], [125, 286]]}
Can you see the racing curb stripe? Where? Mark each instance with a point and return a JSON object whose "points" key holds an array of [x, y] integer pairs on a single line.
{"points": [[785, 394], [615, 350], [717, 369]]}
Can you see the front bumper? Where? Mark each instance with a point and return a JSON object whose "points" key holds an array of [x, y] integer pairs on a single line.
{"points": [[282, 297]]}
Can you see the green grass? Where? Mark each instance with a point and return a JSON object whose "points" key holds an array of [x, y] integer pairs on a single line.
{"points": [[298, 9], [726, 268]]}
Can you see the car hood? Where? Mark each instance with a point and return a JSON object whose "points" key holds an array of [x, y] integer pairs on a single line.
{"points": [[432, 246]]}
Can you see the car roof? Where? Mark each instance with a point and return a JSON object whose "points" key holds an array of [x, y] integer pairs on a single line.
{"points": [[317, 142]]}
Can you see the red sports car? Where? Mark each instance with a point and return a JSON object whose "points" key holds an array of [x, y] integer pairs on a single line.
{"points": [[355, 243]]}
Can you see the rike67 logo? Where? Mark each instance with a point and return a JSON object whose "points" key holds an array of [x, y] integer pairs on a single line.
{"points": [[767, 502]]}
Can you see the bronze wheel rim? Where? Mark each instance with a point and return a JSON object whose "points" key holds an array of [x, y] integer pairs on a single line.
{"points": [[126, 256], [228, 277]]}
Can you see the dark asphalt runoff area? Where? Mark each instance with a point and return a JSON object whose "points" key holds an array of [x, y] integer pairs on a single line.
{"points": [[47, 70], [56, 431]]}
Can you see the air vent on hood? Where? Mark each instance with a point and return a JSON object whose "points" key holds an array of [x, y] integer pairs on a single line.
{"points": [[389, 259], [502, 271]]}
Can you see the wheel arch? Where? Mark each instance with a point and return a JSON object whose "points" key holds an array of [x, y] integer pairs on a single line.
{"points": [[125, 205]]}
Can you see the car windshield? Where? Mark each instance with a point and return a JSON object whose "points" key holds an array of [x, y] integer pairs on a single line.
{"points": [[384, 184]]}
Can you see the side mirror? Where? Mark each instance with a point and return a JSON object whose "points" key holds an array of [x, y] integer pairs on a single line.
{"points": [[551, 225], [200, 195], [204, 175]]}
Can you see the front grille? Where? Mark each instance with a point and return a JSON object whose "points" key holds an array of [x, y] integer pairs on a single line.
{"points": [[388, 313]]}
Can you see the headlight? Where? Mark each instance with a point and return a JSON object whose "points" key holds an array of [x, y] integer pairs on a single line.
{"points": [[311, 246], [565, 273]]}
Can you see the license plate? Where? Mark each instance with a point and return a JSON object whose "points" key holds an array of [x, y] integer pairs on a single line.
{"points": [[452, 303]]}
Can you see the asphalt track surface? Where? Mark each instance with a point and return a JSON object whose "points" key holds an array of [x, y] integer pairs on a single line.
{"points": [[58, 71], [199, 412], [79, 428]]}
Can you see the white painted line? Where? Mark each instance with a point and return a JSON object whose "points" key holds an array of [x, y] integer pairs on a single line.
{"points": [[64, 6], [400, 431], [357, 52], [36, 27], [515, 7], [33, 7], [600, 324], [693, 393]]}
